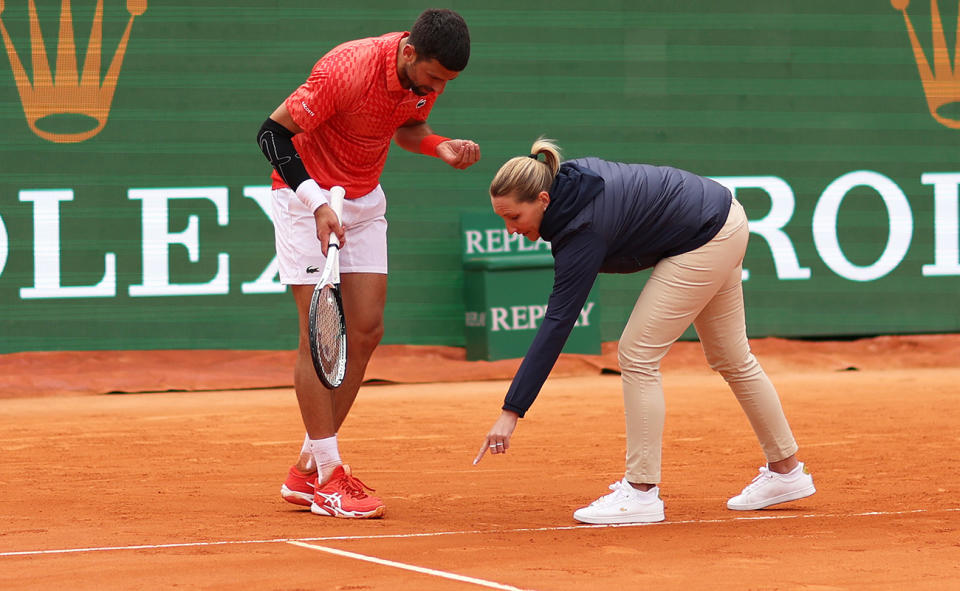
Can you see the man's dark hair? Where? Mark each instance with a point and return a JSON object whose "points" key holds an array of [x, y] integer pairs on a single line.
{"points": [[441, 34]]}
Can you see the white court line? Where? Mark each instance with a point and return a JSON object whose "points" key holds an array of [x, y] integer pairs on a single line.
{"points": [[471, 532], [410, 567]]}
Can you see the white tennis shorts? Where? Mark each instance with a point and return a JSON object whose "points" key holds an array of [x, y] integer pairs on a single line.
{"points": [[299, 253]]}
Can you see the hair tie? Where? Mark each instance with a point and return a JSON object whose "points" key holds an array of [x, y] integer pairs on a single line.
{"points": [[534, 156]]}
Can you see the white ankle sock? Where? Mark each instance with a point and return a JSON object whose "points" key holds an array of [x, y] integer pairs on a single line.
{"points": [[326, 454], [652, 492], [791, 474]]}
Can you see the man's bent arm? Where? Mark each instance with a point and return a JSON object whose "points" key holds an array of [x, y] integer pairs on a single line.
{"points": [[417, 137], [276, 141], [410, 135]]}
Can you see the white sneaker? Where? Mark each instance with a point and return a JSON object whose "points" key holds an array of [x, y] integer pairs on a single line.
{"points": [[770, 488], [624, 505]]}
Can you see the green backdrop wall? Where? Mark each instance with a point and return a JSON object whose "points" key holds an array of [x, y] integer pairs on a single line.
{"points": [[150, 233]]}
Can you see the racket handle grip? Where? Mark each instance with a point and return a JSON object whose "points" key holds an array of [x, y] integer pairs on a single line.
{"points": [[337, 194]]}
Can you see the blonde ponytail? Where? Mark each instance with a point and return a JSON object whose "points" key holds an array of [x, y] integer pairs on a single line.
{"points": [[526, 176]]}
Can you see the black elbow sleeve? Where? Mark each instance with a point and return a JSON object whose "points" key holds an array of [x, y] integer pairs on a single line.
{"points": [[276, 142]]}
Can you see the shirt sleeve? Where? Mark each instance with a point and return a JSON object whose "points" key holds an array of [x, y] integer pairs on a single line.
{"points": [[423, 112], [576, 264], [333, 86]]}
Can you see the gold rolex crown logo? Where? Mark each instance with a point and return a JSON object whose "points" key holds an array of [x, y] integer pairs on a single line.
{"points": [[68, 92], [941, 84]]}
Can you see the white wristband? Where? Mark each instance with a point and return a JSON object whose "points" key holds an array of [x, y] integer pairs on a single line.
{"points": [[310, 194]]}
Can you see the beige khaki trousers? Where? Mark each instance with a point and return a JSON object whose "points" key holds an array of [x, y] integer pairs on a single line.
{"points": [[700, 287]]}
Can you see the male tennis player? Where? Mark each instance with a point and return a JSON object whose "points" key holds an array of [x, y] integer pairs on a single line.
{"points": [[335, 129]]}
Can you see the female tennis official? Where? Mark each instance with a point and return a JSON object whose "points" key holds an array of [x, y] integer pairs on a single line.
{"points": [[612, 217]]}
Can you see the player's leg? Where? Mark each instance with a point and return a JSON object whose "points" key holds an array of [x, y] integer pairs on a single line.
{"points": [[319, 455], [721, 327], [364, 297], [363, 265], [299, 258], [363, 287], [337, 493], [315, 400]]}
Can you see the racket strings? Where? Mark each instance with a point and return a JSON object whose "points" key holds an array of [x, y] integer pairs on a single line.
{"points": [[329, 333]]}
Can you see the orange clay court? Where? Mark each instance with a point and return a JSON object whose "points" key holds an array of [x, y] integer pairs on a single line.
{"points": [[181, 489]]}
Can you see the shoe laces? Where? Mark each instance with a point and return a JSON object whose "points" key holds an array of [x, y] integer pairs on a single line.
{"points": [[759, 480], [618, 492], [353, 486]]}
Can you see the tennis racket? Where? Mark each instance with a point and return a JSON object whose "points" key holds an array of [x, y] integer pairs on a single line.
{"points": [[328, 329]]}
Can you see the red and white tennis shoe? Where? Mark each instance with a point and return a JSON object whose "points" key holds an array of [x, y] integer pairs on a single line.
{"points": [[771, 488], [345, 496], [299, 488]]}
